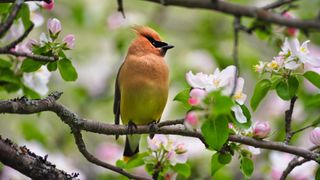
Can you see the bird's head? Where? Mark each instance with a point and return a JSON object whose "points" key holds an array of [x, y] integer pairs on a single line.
{"points": [[148, 41]]}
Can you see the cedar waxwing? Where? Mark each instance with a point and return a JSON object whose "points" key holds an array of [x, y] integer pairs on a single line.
{"points": [[142, 84]]}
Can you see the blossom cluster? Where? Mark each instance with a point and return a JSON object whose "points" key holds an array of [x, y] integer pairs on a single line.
{"points": [[165, 153], [223, 81], [292, 56]]}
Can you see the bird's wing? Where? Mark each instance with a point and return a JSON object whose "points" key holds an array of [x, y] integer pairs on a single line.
{"points": [[116, 101]]}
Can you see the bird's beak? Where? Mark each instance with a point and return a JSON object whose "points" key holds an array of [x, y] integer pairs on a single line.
{"points": [[166, 47]]}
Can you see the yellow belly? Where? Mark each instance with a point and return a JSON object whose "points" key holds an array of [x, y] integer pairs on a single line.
{"points": [[142, 104]]}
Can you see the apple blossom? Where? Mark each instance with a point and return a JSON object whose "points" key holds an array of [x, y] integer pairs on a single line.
{"points": [[192, 120], [48, 6], [314, 136], [261, 129], [259, 67], [200, 80], [38, 81], [219, 80], [69, 40], [196, 95], [241, 118], [157, 142], [54, 26]]}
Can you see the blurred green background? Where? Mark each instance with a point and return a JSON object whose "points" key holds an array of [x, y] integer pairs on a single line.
{"points": [[203, 41]]}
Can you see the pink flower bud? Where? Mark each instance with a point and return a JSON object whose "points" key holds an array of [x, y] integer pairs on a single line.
{"points": [[230, 126], [314, 136], [54, 26], [48, 6], [261, 129], [31, 43], [290, 31], [192, 120], [198, 93], [181, 148], [69, 40], [194, 101]]}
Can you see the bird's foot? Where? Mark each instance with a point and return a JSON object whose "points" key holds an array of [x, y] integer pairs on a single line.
{"points": [[131, 127], [153, 127]]}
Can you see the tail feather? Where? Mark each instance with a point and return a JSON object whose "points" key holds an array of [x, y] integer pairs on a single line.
{"points": [[131, 147]]}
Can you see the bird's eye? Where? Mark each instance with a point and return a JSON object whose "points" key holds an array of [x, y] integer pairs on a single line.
{"points": [[157, 44]]}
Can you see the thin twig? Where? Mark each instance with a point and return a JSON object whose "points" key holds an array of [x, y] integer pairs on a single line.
{"points": [[236, 25], [244, 11], [306, 127], [35, 57], [288, 119], [17, 41], [10, 1], [294, 163], [120, 8], [4, 27], [82, 148], [170, 122], [277, 4]]}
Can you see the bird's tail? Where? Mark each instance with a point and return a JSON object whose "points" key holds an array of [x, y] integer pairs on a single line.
{"points": [[132, 146]]}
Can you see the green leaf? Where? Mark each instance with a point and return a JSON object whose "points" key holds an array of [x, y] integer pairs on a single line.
{"points": [[4, 8], [52, 66], [215, 164], [24, 13], [246, 166], [260, 91], [32, 132], [183, 169], [215, 131], [30, 93], [67, 71], [134, 161], [224, 158], [313, 77], [183, 97], [5, 63], [286, 89], [29, 65], [222, 104], [317, 175], [7, 75]]}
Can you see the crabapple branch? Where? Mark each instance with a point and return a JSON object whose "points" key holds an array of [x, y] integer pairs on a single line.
{"points": [[4, 26], [294, 163], [246, 11], [288, 119], [82, 148], [26, 106], [28, 163]]}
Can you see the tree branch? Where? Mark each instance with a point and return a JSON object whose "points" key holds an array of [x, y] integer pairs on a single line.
{"points": [[247, 11], [294, 163], [4, 26], [236, 26], [35, 57], [17, 41], [11, 1], [26, 106], [120, 8], [277, 4], [288, 119], [30, 164], [82, 148]]}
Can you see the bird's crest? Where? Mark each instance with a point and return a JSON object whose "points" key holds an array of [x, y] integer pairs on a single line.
{"points": [[146, 32]]}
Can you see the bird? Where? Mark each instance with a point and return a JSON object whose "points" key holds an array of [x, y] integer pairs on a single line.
{"points": [[142, 85]]}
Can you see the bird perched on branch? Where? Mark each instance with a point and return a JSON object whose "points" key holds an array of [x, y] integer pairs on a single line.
{"points": [[142, 84]]}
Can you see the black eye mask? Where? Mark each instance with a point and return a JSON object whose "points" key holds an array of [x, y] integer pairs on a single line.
{"points": [[157, 44]]}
